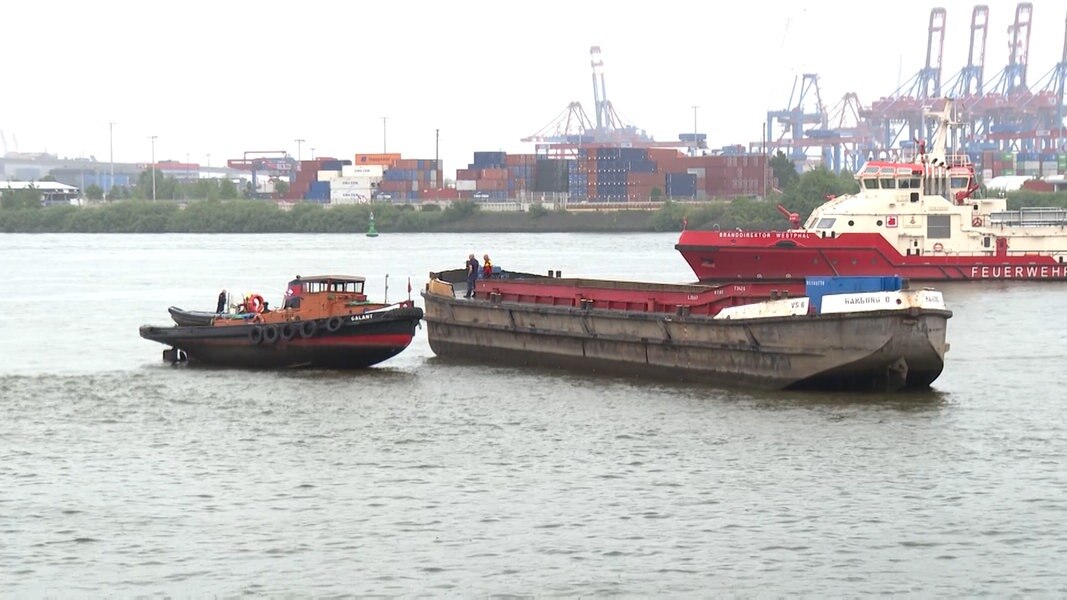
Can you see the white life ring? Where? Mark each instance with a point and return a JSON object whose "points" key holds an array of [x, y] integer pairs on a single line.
{"points": [[938, 247]]}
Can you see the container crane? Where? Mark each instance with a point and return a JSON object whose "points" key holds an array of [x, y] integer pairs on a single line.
{"points": [[1011, 80], [785, 128], [1048, 103], [903, 112], [968, 83], [572, 128], [273, 163]]}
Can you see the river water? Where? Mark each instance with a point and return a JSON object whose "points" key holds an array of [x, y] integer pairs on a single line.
{"points": [[120, 475]]}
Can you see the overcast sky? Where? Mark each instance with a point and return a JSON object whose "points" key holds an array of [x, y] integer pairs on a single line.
{"points": [[224, 77]]}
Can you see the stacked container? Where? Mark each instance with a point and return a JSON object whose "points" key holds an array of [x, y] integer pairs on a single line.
{"points": [[1028, 163], [406, 179], [485, 179]]}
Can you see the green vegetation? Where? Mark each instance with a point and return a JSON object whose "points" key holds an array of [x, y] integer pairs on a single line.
{"points": [[21, 212], [16, 200], [1017, 200]]}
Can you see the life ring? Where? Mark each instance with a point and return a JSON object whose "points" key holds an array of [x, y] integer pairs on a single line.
{"points": [[938, 247], [287, 332], [308, 328], [270, 335], [255, 335], [255, 303], [977, 221], [333, 324]]}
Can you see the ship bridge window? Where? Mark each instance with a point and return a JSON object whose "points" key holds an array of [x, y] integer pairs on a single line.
{"points": [[958, 182], [870, 184], [825, 223], [888, 183], [908, 183]]}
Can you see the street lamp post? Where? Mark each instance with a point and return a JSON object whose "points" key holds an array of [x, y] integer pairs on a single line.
{"points": [[153, 166], [437, 156], [313, 153], [384, 146], [696, 146], [298, 141], [111, 157]]}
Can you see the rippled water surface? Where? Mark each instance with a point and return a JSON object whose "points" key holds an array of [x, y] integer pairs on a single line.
{"points": [[122, 476]]}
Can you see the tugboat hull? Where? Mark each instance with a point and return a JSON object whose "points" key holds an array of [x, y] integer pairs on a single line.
{"points": [[350, 342]]}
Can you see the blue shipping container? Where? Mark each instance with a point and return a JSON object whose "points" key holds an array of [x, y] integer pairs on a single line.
{"points": [[817, 287]]}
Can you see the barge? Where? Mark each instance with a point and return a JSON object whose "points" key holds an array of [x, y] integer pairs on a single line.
{"points": [[789, 335]]}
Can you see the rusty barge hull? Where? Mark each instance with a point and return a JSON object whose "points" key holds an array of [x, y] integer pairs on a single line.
{"points": [[877, 351]]}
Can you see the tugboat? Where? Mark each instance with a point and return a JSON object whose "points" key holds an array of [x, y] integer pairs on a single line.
{"points": [[920, 220], [326, 322]]}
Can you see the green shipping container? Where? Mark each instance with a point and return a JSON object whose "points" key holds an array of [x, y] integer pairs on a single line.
{"points": [[1061, 161], [1007, 172], [1007, 156]]}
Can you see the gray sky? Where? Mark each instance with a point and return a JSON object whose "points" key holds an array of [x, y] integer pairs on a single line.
{"points": [[223, 77]]}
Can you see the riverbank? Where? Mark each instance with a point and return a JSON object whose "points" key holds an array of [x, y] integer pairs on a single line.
{"points": [[138, 216]]}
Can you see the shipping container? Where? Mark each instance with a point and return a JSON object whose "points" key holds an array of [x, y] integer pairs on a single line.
{"points": [[386, 160], [362, 170], [489, 160]]}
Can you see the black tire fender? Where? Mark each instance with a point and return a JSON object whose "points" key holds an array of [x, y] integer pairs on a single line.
{"points": [[287, 331], [308, 329], [255, 335], [270, 334], [333, 324]]}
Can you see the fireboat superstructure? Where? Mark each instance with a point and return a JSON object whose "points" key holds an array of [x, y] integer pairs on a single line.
{"points": [[920, 219]]}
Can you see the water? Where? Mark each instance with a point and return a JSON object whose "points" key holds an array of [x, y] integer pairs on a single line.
{"points": [[120, 475]]}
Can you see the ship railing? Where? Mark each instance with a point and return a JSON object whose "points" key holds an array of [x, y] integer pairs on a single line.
{"points": [[1044, 216]]}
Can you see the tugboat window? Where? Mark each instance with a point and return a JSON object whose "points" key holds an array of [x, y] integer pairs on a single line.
{"points": [[878, 222], [986, 242], [851, 223], [825, 223], [889, 183], [871, 184]]}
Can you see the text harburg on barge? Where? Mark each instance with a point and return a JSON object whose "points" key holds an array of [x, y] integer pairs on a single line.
{"points": [[732, 334]]}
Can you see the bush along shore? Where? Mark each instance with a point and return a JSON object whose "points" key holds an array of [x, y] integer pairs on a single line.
{"points": [[252, 216]]}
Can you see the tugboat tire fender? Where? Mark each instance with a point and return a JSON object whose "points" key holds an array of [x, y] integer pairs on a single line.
{"points": [[333, 324], [270, 334], [287, 331], [308, 328], [255, 335]]}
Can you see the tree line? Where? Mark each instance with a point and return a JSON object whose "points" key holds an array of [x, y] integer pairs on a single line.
{"points": [[216, 212]]}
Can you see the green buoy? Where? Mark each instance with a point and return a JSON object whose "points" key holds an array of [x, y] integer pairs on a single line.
{"points": [[371, 231]]}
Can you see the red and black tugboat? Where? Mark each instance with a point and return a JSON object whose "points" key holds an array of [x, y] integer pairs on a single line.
{"points": [[920, 220], [326, 322]]}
